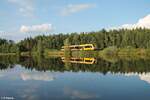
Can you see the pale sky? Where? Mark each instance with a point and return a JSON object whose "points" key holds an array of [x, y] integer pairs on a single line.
{"points": [[22, 18]]}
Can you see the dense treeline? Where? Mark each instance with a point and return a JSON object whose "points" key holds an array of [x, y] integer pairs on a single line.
{"points": [[8, 46], [137, 38]]}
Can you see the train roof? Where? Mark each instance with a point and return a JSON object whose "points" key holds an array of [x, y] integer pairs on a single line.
{"points": [[80, 45]]}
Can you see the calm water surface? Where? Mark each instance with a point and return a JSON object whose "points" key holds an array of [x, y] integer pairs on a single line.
{"points": [[52, 79]]}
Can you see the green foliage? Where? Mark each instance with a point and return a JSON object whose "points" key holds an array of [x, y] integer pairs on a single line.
{"points": [[82, 54], [7, 46], [67, 51], [136, 38], [40, 49], [112, 50]]}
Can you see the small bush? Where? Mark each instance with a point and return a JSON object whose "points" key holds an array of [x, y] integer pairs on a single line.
{"points": [[110, 51]]}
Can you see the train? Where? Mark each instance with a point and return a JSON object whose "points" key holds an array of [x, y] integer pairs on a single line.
{"points": [[79, 47]]}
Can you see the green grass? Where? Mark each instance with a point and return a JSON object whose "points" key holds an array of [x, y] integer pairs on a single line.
{"points": [[129, 53], [111, 53], [7, 54], [125, 51], [85, 54], [53, 53]]}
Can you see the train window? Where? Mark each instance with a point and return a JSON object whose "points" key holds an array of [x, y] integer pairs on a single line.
{"points": [[78, 47], [88, 60], [78, 59], [88, 46], [71, 47]]}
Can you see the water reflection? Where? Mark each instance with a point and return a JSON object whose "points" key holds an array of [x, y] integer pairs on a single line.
{"points": [[78, 94], [58, 64], [142, 76], [35, 78], [79, 60]]}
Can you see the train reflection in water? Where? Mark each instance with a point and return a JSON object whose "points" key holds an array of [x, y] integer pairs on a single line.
{"points": [[79, 60]]}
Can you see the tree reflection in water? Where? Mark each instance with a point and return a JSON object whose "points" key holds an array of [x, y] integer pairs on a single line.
{"points": [[56, 64]]}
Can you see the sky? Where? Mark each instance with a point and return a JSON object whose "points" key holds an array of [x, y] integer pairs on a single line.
{"points": [[24, 18]]}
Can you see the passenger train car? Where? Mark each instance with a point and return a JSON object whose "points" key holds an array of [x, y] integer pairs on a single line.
{"points": [[79, 47]]}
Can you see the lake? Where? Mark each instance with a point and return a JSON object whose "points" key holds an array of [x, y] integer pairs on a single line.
{"points": [[26, 78]]}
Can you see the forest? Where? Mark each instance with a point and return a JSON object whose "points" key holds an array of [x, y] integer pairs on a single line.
{"points": [[122, 38]]}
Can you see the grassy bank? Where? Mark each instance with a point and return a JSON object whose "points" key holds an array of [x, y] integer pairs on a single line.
{"points": [[7, 54], [113, 54], [129, 51], [53, 53], [110, 52], [91, 54]]}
